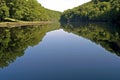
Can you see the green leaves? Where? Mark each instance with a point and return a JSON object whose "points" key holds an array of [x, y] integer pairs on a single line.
{"points": [[3, 10], [95, 10], [27, 10]]}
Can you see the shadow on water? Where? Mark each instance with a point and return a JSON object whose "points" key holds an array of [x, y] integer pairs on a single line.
{"points": [[104, 34], [14, 41]]}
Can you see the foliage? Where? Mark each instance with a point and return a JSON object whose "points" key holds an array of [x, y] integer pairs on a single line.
{"points": [[28, 10], [3, 10], [95, 10]]}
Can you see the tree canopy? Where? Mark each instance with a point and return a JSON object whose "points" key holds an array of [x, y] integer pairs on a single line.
{"points": [[28, 10], [95, 10]]}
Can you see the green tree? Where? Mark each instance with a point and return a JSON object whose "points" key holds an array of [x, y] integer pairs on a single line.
{"points": [[3, 10], [28, 10], [95, 10]]}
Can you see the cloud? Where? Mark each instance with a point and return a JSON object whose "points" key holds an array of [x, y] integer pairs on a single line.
{"points": [[61, 5]]}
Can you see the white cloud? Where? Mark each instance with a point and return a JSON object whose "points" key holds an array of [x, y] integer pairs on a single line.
{"points": [[61, 5]]}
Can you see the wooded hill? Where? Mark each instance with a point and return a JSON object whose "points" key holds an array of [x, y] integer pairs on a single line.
{"points": [[27, 10], [95, 10]]}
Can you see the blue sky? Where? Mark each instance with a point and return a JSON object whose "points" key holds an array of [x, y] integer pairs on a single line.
{"points": [[61, 5]]}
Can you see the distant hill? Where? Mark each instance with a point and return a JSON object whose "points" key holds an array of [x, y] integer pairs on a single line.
{"points": [[95, 10], [27, 10]]}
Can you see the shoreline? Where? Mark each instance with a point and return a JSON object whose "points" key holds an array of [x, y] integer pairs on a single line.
{"points": [[23, 23]]}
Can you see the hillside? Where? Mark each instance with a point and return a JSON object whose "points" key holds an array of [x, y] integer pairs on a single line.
{"points": [[26, 10], [95, 10]]}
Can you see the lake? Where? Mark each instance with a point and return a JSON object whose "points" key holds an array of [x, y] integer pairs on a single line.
{"points": [[77, 51]]}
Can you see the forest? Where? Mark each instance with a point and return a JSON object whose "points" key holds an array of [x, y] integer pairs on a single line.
{"points": [[26, 10], [95, 11], [32, 10]]}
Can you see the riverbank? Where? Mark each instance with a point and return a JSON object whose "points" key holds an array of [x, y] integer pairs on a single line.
{"points": [[23, 23]]}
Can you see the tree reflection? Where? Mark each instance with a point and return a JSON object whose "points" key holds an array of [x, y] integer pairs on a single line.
{"points": [[14, 41], [107, 35]]}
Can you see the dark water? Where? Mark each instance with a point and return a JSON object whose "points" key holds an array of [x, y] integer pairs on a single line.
{"points": [[70, 52]]}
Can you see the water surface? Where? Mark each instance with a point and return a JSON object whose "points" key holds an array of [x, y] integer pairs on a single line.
{"points": [[51, 52]]}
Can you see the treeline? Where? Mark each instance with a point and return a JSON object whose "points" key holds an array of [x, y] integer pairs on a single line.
{"points": [[27, 10], [95, 10], [106, 35]]}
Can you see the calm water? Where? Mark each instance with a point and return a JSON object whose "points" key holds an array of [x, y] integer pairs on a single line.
{"points": [[50, 52]]}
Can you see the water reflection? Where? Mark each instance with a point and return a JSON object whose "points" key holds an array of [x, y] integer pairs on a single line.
{"points": [[106, 35], [60, 55], [13, 41]]}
